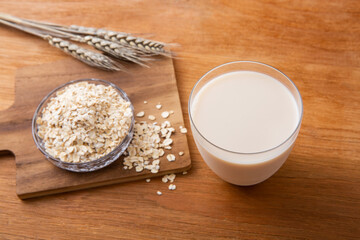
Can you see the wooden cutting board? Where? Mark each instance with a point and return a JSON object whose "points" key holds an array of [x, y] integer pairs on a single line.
{"points": [[35, 176]]}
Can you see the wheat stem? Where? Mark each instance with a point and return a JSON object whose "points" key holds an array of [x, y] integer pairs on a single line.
{"points": [[24, 29], [47, 29], [125, 39]]}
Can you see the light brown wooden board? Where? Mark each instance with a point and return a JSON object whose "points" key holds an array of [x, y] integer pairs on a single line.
{"points": [[35, 176]]}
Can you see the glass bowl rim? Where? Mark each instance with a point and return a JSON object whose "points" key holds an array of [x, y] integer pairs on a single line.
{"points": [[255, 63], [101, 159]]}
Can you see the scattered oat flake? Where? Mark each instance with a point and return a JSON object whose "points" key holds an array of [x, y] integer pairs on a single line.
{"points": [[158, 106], [140, 114], [171, 177], [165, 114], [159, 193], [163, 132], [165, 124], [183, 130], [167, 142], [168, 135], [139, 168], [181, 153], [152, 117], [148, 180], [145, 102], [165, 179], [172, 187], [171, 112], [185, 172], [170, 157]]}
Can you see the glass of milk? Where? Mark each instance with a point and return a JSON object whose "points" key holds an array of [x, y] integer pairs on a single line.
{"points": [[245, 117]]}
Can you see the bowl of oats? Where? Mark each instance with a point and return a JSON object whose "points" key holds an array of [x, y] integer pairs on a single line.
{"points": [[84, 125]]}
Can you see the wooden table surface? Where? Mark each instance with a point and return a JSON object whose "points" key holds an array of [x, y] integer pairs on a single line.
{"points": [[315, 195]]}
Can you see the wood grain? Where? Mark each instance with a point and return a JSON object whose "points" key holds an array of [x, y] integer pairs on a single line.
{"points": [[35, 176], [315, 195]]}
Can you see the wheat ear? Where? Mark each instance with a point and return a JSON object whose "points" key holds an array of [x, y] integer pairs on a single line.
{"points": [[87, 56], [115, 50], [145, 45]]}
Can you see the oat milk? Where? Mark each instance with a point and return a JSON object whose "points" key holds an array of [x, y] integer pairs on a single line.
{"points": [[241, 113]]}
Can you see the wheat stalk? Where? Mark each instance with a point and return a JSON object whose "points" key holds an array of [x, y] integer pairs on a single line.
{"points": [[116, 44], [111, 48], [114, 49], [87, 56], [145, 46]]}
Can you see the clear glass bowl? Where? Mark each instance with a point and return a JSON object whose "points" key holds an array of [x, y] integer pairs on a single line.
{"points": [[91, 165]]}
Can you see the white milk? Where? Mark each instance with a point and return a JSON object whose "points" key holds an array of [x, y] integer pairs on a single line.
{"points": [[242, 114]]}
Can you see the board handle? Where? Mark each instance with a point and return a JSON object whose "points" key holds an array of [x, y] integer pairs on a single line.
{"points": [[10, 125]]}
